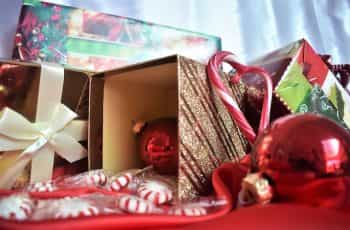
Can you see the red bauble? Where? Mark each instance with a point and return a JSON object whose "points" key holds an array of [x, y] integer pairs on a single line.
{"points": [[159, 146], [306, 141]]}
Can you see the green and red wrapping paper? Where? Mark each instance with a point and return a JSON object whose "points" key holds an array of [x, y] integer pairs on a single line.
{"points": [[295, 71], [96, 41]]}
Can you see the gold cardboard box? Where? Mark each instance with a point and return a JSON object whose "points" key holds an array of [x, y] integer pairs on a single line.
{"points": [[168, 87]]}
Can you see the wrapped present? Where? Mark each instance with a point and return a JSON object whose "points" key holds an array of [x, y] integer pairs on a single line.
{"points": [[171, 87], [317, 102], [97, 41], [44, 113], [296, 70]]}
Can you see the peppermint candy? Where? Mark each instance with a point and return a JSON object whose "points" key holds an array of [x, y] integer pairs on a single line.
{"points": [[188, 211], [155, 191], [133, 204], [70, 207], [121, 182], [96, 178], [16, 207], [42, 187]]}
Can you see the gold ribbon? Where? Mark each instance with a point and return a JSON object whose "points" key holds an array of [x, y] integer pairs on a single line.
{"points": [[55, 131]]}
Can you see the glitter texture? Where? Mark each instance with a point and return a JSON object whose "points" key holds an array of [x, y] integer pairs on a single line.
{"points": [[208, 135]]}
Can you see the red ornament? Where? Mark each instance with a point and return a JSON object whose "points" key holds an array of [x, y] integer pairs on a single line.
{"points": [[158, 145], [293, 149], [306, 141]]}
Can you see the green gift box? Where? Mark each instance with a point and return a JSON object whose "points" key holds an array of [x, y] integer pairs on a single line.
{"points": [[299, 74]]}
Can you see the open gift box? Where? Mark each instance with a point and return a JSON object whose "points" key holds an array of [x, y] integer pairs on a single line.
{"points": [[44, 110], [169, 87], [112, 101]]}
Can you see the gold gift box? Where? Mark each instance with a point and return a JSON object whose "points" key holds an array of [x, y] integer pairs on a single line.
{"points": [[20, 83], [173, 86]]}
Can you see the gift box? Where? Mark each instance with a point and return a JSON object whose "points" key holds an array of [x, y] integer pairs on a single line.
{"points": [[176, 87], [44, 116], [97, 41], [302, 83]]}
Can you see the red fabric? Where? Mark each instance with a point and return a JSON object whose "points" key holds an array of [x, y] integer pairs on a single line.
{"points": [[222, 189], [333, 192], [292, 188], [277, 217], [303, 188]]}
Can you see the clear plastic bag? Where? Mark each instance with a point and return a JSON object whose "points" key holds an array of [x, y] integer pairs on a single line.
{"points": [[137, 192]]}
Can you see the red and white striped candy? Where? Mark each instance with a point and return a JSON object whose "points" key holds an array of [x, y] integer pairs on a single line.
{"points": [[237, 115], [70, 207], [155, 191], [188, 211], [42, 187], [134, 204], [120, 182], [16, 207], [96, 178]]}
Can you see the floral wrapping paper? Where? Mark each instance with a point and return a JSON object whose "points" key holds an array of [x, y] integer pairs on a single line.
{"points": [[96, 41]]}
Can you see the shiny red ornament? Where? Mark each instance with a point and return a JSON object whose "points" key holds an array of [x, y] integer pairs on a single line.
{"points": [[158, 145], [303, 142]]}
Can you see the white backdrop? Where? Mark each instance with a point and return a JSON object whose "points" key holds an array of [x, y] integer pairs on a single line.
{"points": [[248, 28]]}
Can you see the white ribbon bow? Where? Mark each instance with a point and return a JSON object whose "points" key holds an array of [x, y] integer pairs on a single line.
{"points": [[60, 135]]}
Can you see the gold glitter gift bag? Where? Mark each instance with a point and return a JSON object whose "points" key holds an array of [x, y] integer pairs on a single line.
{"points": [[173, 86]]}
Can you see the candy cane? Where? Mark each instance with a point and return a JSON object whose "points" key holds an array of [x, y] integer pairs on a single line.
{"points": [[188, 211], [134, 204], [121, 182], [236, 114], [16, 207], [155, 191]]}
